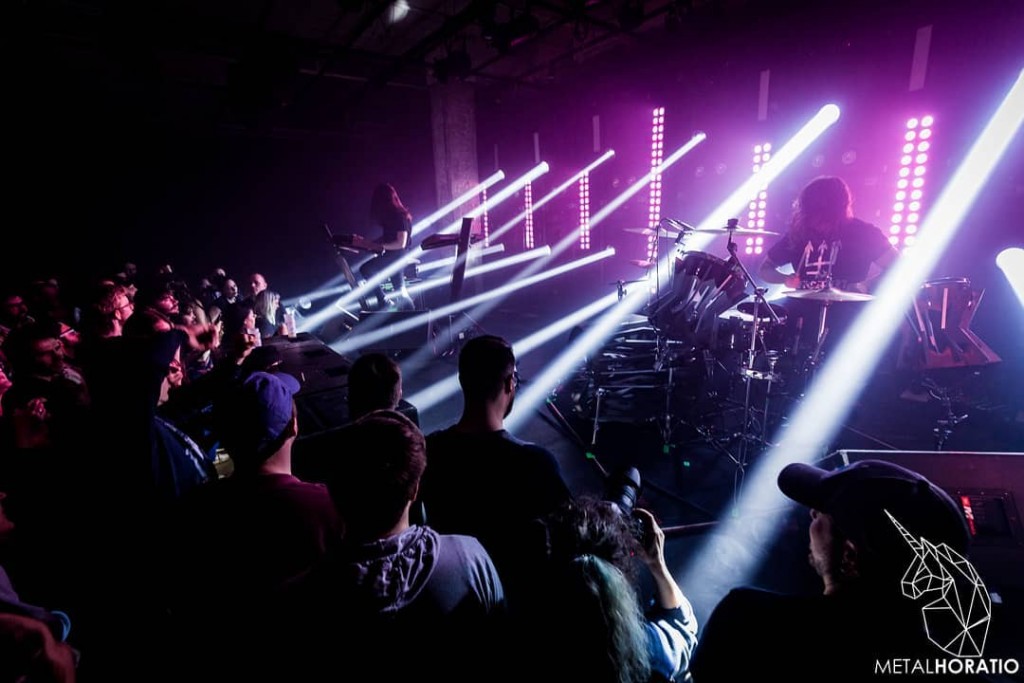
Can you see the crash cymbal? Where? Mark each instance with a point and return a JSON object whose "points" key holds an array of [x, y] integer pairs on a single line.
{"points": [[661, 232], [642, 264], [736, 231], [829, 294]]}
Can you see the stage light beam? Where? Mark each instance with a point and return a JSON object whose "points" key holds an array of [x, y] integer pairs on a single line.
{"points": [[635, 298], [1011, 262], [442, 389], [779, 161], [552, 194], [358, 341], [812, 427], [457, 202]]}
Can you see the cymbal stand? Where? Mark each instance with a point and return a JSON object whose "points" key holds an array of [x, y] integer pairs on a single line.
{"points": [[748, 371], [945, 425]]}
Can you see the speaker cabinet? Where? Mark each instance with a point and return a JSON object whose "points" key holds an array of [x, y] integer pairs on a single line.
{"points": [[316, 365], [990, 490], [394, 331]]}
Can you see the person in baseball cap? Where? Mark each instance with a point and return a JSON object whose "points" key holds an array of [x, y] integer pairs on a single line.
{"points": [[258, 417], [857, 498], [858, 618], [256, 530]]}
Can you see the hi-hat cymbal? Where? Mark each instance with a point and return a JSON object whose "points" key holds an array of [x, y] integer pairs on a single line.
{"points": [[829, 294], [737, 231]]}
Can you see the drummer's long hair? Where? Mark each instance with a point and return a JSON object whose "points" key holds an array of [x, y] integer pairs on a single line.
{"points": [[825, 201]]}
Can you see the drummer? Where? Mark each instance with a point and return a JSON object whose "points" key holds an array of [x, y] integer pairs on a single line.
{"points": [[827, 247], [826, 243]]}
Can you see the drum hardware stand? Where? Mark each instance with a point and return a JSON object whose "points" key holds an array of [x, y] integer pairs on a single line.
{"points": [[820, 339], [748, 371], [620, 286], [346, 270], [945, 425]]}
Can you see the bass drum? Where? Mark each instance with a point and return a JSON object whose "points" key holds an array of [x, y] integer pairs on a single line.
{"points": [[703, 288]]}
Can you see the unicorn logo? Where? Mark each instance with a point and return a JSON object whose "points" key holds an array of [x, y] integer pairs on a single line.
{"points": [[959, 611]]}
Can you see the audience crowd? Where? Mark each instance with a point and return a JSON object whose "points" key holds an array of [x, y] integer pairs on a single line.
{"points": [[157, 521]]}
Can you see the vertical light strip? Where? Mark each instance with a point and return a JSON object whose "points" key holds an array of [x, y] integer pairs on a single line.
{"points": [[562, 187], [919, 67], [906, 208], [758, 206], [654, 202], [762, 95], [529, 215], [483, 217], [585, 212]]}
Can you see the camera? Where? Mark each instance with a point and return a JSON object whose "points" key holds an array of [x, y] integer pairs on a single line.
{"points": [[621, 490]]}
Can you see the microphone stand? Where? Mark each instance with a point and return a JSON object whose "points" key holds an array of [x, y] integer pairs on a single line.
{"points": [[747, 371]]}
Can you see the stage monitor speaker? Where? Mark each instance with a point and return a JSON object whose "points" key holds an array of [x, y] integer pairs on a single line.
{"points": [[317, 366], [990, 490], [397, 336]]}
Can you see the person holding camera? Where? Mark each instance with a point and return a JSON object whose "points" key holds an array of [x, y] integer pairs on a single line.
{"points": [[588, 578]]}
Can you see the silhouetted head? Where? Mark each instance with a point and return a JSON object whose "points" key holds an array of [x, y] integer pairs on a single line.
{"points": [[374, 383], [487, 370], [385, 203], [373, 484], [823, 204]]}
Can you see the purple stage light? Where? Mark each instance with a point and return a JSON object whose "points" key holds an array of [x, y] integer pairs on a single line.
{"points": [[912, 166], [528, 207], [585, 212], [654, 200], [759, 202], [483, 217]]}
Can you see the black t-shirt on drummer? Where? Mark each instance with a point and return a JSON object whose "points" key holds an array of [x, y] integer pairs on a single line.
{"points": [[846, 255]]}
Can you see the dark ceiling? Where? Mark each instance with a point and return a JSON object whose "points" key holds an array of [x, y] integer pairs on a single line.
{"points": [[316, 64]]}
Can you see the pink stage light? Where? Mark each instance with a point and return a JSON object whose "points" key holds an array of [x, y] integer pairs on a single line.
{"points": [[903, 227], [757, 207], [654, 200], [528, 193], [483, 217], [585, 212]]}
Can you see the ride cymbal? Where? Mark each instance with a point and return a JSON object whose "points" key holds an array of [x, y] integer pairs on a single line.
{"points": [[737, 231]]}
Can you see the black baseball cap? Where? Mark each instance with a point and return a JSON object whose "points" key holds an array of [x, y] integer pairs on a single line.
{"points": [[858, 496]]}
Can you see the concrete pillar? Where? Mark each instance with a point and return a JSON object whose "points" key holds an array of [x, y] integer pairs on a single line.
{"points": [[453, 122]]}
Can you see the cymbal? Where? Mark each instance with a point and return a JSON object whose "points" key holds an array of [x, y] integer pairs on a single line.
{"points": [[827, 294], [642, 264], [662, 232], [737, 231]]}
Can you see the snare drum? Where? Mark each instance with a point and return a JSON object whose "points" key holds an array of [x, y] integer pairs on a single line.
{"points": [[703, 287]]}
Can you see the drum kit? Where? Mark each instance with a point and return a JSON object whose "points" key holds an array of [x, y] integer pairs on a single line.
{"points": [[710, 343], [714, 305]]}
